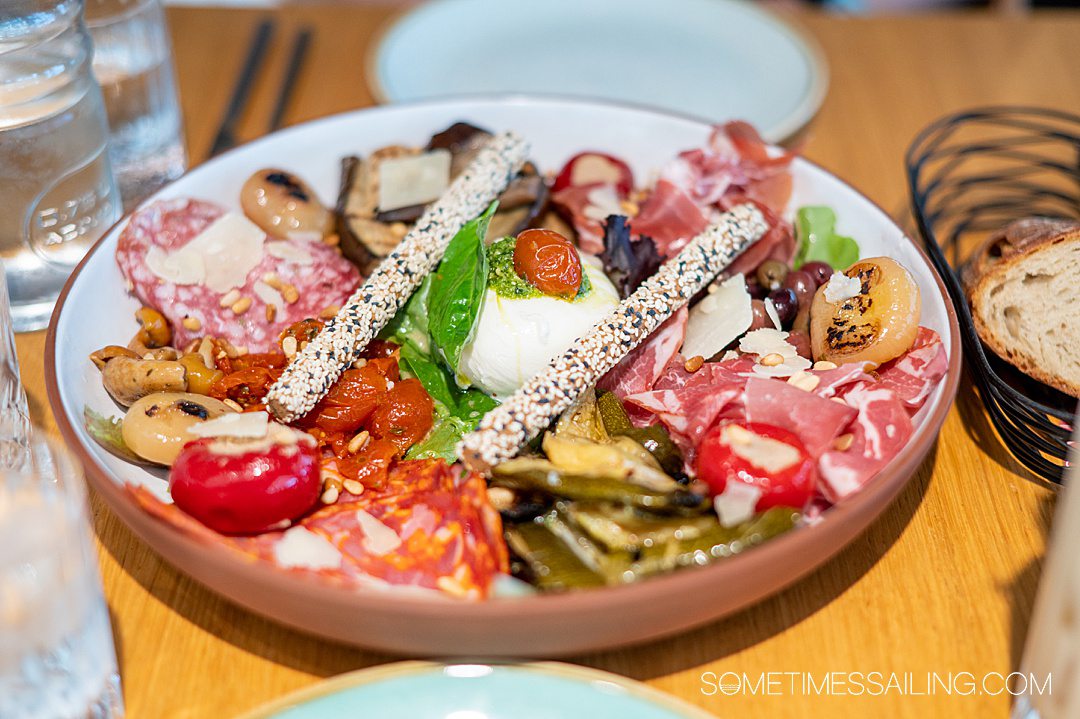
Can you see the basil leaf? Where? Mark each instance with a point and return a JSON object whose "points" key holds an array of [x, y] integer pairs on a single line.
{"points": [[815, 233], [457, 290], [436, 380]]}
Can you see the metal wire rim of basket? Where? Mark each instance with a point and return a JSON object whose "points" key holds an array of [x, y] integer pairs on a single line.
{"points": [[970, 174]]}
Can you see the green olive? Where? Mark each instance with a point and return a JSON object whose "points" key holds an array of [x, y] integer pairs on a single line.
{"points": [[771, 274]]}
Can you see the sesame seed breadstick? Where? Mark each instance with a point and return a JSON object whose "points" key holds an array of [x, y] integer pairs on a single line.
{"points": [[307, 379], [531, 409]]}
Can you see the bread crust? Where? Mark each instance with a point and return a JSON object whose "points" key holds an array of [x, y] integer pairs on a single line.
{"points": [[999, 256]]}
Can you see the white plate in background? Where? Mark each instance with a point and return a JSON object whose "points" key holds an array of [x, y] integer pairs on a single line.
{"points": [[714, 59]]}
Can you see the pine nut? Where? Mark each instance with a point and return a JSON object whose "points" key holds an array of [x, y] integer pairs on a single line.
{"points": [[824, 364], [843, 442], [232, 404], [358, 442], [191, 323], [772, 360], [230, 298], [694, 363], [241, 306], [271, 312], [353, 487]]}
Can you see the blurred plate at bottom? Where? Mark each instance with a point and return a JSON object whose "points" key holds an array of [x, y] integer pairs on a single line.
{"points": [[425, 690]]}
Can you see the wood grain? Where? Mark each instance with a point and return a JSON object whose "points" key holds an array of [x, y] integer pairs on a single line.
{"points": [[944, 581]]}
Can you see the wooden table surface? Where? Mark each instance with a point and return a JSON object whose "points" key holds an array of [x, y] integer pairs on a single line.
{"points": [[943, 581]]}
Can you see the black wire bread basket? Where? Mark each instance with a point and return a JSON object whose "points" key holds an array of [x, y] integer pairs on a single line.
{"points": [[970, 174]]}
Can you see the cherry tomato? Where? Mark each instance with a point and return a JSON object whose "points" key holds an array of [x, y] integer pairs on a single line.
{"points": [[549, 262], [405, 416], [357, 386], [245, 492], [587, 168], [735, 451]]}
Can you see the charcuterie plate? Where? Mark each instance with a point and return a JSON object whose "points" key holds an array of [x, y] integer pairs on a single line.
{"points": [[455, 601]]}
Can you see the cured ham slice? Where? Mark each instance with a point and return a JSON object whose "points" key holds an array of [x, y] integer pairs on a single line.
{"points": [[670, 217], [691, 410], [879, 431], [586, 207], [914, 375], [815, 420], [639, 370]]}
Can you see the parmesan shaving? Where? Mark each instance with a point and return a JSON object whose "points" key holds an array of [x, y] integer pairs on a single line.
{"points": [[220, 257], [718, 318], [290, 252], [840, 287], [247, 425], [769, 454], [303, 549], [736, 503], [413, 180], [378, 538]]}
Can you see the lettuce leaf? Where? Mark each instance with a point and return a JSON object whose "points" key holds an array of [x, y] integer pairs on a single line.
{"points": [[815, 234], [106, 431]]}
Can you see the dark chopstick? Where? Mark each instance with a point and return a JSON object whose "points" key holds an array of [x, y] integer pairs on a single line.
{"points": [[296, 62], [252, 64]]}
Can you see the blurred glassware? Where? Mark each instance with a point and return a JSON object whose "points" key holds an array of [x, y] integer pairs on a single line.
{"points": [[57, 659], [133, 64], [59, 191], [1050, 669], [14, 413]]}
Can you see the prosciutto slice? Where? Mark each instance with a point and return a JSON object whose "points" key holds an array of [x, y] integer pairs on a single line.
{"points": [[688, 411], [670, 217], [879, 431], [815, 420], [639, 370], [914, 375], [586, 207]]}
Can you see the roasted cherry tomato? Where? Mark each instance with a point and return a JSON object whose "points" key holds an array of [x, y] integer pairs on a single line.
{"points": [[370, 465], [549, 262], [588, 168], [246, 387], [405, 416], [761, 455], [235, 490], [302, 331]]}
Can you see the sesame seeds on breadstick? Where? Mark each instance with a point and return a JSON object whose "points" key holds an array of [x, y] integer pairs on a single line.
{"points": [[530, 410], [307, 379]]}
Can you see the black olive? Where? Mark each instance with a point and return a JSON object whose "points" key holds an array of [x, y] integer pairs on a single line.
{"points": [[771, 274], [192, 408]]}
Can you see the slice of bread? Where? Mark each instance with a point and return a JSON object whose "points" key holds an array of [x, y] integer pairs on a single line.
{"points": [[1026, 303]]}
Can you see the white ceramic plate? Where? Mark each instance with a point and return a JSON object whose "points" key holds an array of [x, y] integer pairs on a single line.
{"points": [[715, 59], [96, 310], [422, 690]]}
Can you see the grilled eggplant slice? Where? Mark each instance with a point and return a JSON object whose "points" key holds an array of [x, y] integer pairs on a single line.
{"points": [[368, 233]]}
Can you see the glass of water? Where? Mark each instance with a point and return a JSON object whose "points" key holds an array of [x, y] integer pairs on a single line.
{"points": [[59, 191], [133, 65], [14, 413], [57, 659]]}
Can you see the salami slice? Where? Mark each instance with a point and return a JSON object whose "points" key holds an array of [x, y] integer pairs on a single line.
{"points": [[304, 277]]}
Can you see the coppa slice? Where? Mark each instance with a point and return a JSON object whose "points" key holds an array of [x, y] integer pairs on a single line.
{"points": [[869, 313], [299, 279]]}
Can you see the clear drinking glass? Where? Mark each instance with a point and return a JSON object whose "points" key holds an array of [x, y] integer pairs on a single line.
{"points": [[14, 413], [59, 191], [133, 65], [56, 651]]}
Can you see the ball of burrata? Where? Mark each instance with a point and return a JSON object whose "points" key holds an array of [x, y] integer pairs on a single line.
{"points": [[518, 337]]}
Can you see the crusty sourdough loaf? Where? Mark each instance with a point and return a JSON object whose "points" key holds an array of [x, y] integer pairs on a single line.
{"points": [[1024, 289]]}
